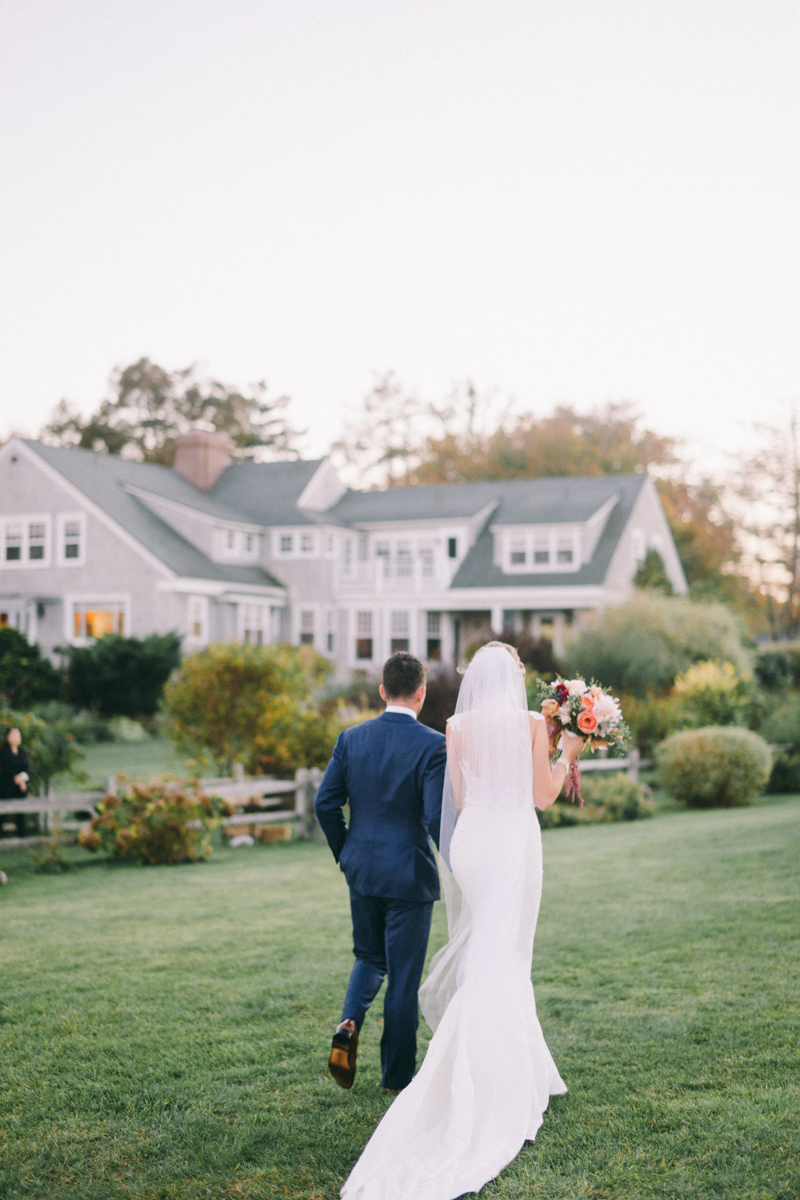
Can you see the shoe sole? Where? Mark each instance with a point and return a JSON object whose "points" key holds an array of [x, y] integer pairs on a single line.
{"points": [[339, 1062]]}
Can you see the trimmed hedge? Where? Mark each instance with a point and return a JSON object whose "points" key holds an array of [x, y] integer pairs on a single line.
{"points": [[716, 767]]}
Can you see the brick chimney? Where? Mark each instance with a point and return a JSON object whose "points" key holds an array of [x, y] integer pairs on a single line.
{"points": [[201, 457]]}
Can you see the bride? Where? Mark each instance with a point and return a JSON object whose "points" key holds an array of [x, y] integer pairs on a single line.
{"points": [[488, 1074]]}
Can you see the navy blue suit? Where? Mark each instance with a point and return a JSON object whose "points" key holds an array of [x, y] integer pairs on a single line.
{"points": [[391, 771]]}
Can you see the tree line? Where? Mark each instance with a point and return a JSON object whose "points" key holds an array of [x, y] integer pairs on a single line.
{"points": [[738, 537]]}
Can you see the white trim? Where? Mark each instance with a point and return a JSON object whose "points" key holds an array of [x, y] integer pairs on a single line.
{"points": [[62, 520], [98, 599], [197, 606], [94, 509], [25, 562], [223, 588]]}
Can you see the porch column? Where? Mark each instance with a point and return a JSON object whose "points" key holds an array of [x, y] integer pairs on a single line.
{"points": [[497, 620], [559, 623]]}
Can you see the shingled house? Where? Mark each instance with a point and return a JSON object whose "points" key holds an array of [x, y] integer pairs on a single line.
{"points": [[222, 550]]}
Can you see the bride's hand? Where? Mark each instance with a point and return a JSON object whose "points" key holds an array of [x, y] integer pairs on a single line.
{"points": [[572, 743]]}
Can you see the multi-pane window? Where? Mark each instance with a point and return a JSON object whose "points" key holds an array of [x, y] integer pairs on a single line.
{"points": [[541, 549], [564, 548], [37, 540], [383, 554], [72, 541], [434, 648], [13, 541], [363, 549], [452, 547], [307, 627], [405, 565], [518, 553], [364, 635], [307, 543], [95, 620], [254, 624], [230, 540], [399, 628], [426, 561], [286, 543], [331, 635], [249, 543]]}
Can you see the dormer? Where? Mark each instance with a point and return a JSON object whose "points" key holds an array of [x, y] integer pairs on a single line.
{"points": [[551, 548]]}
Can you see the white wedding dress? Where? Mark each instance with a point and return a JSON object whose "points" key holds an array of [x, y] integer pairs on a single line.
{"points": [[488, 1074]]}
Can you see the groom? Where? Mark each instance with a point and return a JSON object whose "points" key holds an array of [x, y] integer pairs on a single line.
{"points": [[391, 771]]}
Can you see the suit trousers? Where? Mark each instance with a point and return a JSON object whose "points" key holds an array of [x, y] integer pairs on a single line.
{"points": [[390, 937]]}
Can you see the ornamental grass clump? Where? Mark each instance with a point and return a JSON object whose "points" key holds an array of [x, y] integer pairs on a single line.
{"points": [[716, 767], [164, 821]]}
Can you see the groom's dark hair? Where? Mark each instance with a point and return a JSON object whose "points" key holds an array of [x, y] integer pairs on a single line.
{"points": [[402, 675]]}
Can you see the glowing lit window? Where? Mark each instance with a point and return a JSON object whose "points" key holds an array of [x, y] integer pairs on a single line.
{"points": [[97, 620]]}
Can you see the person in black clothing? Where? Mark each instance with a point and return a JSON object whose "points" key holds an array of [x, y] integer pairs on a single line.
{"points": [[14, 773]]}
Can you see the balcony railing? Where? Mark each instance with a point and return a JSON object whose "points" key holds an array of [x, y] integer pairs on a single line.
{"points": [[393, 575]]}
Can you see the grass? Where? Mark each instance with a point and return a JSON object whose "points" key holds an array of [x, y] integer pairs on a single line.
{"points": [[164, 1031], [156, 756]]}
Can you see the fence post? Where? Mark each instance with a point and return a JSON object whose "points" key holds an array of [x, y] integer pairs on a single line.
{"points": [[633, 764], [314, 780], [300, 806]]}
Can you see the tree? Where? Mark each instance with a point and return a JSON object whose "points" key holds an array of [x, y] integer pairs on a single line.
{"points": [[768, 484], [122, 676], [640, 647], [607, 440], [652, 574], [26, 676], [149, 407], [381, 439], [251, 704], [49, 745]]}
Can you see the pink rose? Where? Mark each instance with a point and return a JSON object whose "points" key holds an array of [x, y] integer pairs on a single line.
{"points": [[587, 722]]}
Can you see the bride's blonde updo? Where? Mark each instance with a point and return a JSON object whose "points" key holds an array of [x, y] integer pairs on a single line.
{"points": [[512, 650]]}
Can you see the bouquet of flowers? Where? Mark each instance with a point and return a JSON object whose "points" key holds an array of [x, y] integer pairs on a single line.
{"points": [[586, 709]]}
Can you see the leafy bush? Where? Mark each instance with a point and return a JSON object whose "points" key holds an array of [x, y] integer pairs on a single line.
{"points": [[49, 745], [164, 821], [709, 693], [773, 668], [122, 676], [652, 574], [785, 775], [613, 797], [124, 729], [535, 653], [441, 696], [26, 675], [717, 767], [651, 719], [640, 647], [251, 704]]}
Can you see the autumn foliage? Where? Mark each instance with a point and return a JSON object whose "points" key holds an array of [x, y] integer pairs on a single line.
{"points": [[234, 703]]}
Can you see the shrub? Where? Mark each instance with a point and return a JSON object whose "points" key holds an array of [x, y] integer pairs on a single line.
{"points": [[642, 645], [122, 676], [652, 574], [440, 699], [715, 767], [709, 693], [613, 797], [773, 668], [785, 775], [651, 720], [251, 704], [164, 821], [26, 675], [49, 745], [535, 653]]}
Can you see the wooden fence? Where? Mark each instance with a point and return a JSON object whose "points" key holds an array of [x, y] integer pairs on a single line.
{"points": [[280, 802]]}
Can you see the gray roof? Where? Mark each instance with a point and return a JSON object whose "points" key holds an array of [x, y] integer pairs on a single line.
{"points": [[552, 501], [104, 479], [266, 493]]}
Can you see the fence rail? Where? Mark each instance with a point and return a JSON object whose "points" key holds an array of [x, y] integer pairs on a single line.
{"points": [[288, 801]]}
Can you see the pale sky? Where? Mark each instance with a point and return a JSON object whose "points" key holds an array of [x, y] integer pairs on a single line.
{"points": [[571, 200]]}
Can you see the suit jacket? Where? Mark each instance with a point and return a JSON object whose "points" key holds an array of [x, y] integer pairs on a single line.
{"points": [[391, 770]]}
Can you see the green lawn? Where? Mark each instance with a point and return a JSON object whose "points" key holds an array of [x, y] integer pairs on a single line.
{"points": [[164, 1031], [156, 756]]}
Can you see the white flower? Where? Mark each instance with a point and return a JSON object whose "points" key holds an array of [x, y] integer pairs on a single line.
{"points": [[607, 709], [576, 687], [565, 714]]}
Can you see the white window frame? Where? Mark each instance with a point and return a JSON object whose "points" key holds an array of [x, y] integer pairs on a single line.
{"points": [[96, 600], [196, 603], [307, 550], [62, 520], [532, 538], [25, 520], [364, 636]]}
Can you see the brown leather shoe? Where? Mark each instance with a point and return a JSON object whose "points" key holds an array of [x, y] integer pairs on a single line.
{"points": [[342, 1062]]}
